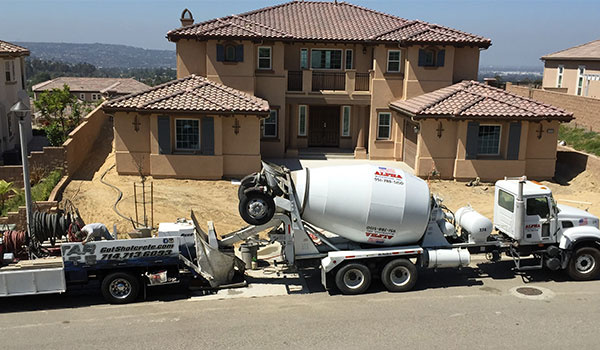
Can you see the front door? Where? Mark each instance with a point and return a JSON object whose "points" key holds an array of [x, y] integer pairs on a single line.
{"points": [[324, 126]]}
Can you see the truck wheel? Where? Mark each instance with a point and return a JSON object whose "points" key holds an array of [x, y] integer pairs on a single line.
{"points": [[256, 208], [399, 275], [353, 278], [120, 288], [584, 264]]}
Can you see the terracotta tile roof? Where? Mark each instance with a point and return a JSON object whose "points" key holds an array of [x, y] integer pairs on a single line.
{"points": [[474, 100], [118, 86], [585, 52], [325, 21], [190, 94], [8, 49]]}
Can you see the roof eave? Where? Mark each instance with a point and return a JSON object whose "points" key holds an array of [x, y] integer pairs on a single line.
{"points": [[110, 109], [547, 58]]}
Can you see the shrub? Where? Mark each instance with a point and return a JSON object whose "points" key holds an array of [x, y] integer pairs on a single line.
{"points": [[39, 192], [55, 135]]}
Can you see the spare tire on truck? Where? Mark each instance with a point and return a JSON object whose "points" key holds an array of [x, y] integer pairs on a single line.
{"points": [[256, 207]]}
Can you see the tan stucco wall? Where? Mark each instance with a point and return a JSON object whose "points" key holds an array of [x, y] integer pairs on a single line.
{"points": [[10, 92], [537, 157], [570, 76], [191, 57], [81, 141], [466, 64], [235, 155]]}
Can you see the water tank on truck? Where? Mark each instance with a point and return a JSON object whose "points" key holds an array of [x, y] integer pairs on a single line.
{"points": [[365, 203]]}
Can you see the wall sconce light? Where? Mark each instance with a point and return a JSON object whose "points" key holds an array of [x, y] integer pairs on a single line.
{"points": [[364, 50]]}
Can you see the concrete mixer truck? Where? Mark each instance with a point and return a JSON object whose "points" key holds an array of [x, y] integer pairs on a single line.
{"points": [[363, 222]]}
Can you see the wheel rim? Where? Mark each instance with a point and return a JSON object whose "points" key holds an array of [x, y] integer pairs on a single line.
{"points": [[354, 278], [400, 276], [120, 288], [257, 208], [585, 263]]}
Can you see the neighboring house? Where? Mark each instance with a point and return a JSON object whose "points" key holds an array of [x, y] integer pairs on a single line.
{"points": [[92, 89], [188, 128], [329, 70], [575, 71], [12, 88], [470, 130]]}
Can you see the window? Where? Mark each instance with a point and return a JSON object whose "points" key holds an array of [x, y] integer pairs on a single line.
{"points": [[349, 59], [559, 78], [303, 58], [95, 97], [326, 59], [393, 63], [9, 69], [230, 53], [384, 125], [82, 96], [346, 121], [538, 206], [264, 57], [270, 124], [580, 73], [506, 200], [187, 134], [431, 57], [302, 120], [489, 140]]}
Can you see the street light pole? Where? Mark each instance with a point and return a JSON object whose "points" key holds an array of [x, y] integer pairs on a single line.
{"points": [[21, 110]]}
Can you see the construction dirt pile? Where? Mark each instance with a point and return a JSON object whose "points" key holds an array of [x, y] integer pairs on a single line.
{"points": [[577, 184]]}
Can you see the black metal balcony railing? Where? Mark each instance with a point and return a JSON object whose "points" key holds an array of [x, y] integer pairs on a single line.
{"points": [[294, 80], [328, 81], [361, 81]]}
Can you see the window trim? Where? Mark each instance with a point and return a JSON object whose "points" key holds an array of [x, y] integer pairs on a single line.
{"points": [[264, 122], [9, 67], [399, 61], [344, 108], [225, 49], [499, 141], [199, 135], [300, 108], [342, 62], [95, 96], [559, 75], [351, 52], [307, 65], [82, 96], [580, 76], [258, 58], [379, 125]]}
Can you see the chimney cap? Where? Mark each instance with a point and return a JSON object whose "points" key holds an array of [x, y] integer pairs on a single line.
{"points": [[186, 17]]}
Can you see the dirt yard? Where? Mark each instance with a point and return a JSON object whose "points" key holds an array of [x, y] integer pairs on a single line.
{"points": [[578, 180]]}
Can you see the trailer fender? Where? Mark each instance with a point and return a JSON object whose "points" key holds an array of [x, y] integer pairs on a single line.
{"points": [[575, 235]]}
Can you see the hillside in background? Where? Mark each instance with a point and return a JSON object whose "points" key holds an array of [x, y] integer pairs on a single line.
{"points": [[102, 55]]}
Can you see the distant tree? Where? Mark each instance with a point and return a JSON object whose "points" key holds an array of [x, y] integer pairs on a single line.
{"points": [[59, 108]]}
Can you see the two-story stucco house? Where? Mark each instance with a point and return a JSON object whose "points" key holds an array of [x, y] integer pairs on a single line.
{"points": [[328, 70], [575, 71], [331, 74], [12, 88]]}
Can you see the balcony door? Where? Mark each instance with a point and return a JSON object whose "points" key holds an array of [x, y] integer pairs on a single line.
{"points": [[324, 126]]}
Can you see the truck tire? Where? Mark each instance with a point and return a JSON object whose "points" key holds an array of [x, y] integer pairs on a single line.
{"points": [[120, 288], [584, 264], [399, 275], [256, 208], [353, 278]]}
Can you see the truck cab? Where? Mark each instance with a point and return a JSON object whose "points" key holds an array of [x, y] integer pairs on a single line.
{"points": [[537, 218]]}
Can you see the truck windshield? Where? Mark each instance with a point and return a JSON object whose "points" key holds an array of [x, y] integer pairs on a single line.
{"points": [[538, 206]]}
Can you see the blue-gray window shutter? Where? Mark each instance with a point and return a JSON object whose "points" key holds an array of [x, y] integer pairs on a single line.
{"points": [[472, 146], [422, 57], [220, 53], [164, 134], [441, 56], [514, 139], [239, 53], [207, 139]]}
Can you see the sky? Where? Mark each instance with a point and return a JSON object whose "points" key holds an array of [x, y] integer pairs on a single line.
{"points": [[521, 31]]}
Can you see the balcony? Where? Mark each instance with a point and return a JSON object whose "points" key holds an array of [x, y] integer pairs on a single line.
{"points": [[328, 81], [310, 82]]}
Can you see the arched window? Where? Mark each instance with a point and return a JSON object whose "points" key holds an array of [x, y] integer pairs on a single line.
{"points": [[229, 53]]}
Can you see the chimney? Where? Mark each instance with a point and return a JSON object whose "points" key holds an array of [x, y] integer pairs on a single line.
{"points": [[186, 18]]}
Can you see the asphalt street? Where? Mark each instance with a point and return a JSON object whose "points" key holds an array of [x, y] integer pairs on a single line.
{"points": [[449, 309]]}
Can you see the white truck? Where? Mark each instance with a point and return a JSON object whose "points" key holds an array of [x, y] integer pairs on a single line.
{"points": [[363, 221]]}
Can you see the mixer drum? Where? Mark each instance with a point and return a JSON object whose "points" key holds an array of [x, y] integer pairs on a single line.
{"points": [[365, 203]]}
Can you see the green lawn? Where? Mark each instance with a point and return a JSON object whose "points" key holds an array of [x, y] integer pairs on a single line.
{"points": [[580, 139]]}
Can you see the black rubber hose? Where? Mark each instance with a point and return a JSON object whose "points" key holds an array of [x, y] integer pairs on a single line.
{"points": [[119, 197]]}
